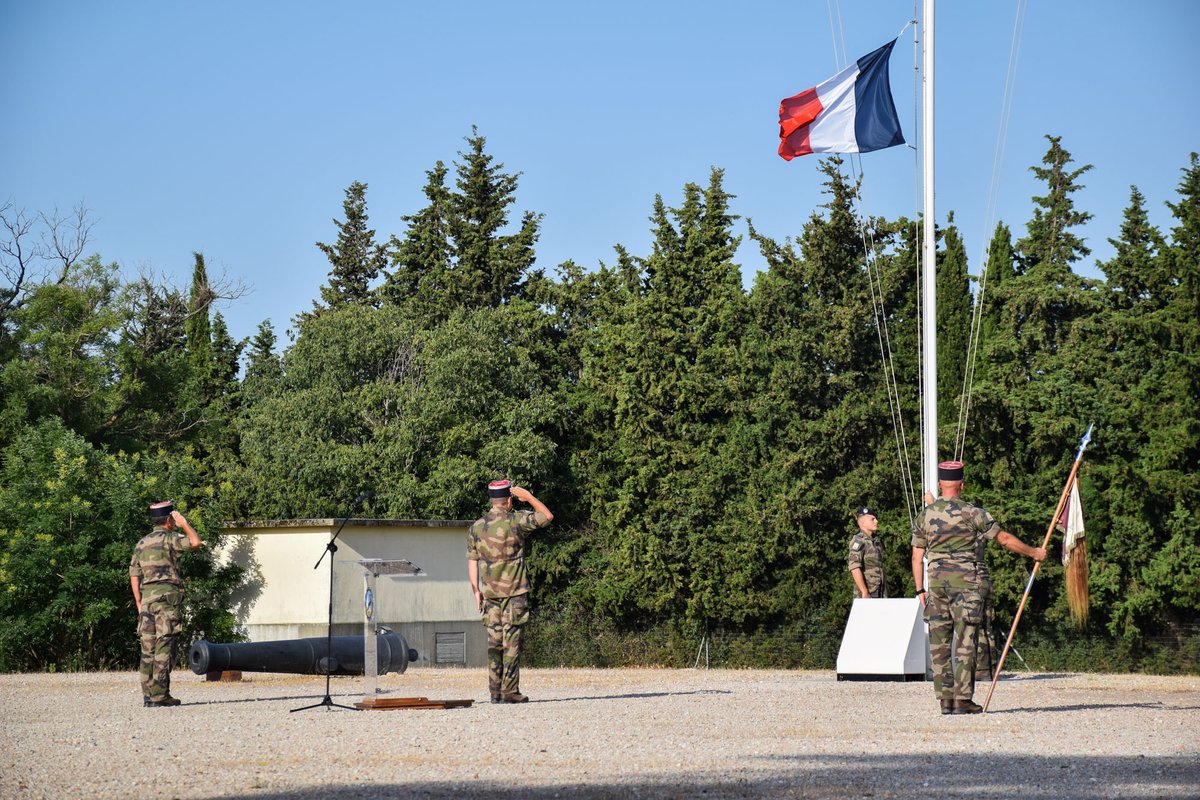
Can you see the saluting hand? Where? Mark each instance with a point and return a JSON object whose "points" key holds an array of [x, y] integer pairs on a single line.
{"points": [[524, 495]]}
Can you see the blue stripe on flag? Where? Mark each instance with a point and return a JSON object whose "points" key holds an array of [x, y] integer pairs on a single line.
{"points": [[876, 124]]}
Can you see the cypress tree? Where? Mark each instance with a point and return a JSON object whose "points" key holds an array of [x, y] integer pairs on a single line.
{"points": [[197, 329], [953, 322], [227, 354], [1044, 367], [1046, 297], [1136, 274], [668, 370], [489, 265], [820, 413], [263, 369], [455, 252], [1001, 268], [220, 438], [1050, 244], [355, 259], [421, 260], [1147, 478], [200, 387], [1185, 251]]}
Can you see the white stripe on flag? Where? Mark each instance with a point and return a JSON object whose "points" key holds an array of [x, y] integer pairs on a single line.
{"points": [[833, 129]]}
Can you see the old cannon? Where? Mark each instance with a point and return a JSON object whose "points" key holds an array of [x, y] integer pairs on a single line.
{"points": [[301, 656]]}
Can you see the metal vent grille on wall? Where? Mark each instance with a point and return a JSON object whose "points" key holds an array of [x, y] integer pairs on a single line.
{"points": [[450, 648]]}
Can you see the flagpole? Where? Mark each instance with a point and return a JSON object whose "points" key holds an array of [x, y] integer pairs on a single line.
{"points": [[929, 276], [1062, 501]]}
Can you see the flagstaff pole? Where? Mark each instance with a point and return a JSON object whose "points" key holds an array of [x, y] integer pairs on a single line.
{"points": [[1062, 501], [929, 262]]}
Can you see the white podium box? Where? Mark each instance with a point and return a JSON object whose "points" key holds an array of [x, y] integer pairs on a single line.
{"points": [[885, 640]]}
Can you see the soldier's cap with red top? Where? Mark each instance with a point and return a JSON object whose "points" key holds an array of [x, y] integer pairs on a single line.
{"points": [[950, 471], [500, 489], [160, 511]]}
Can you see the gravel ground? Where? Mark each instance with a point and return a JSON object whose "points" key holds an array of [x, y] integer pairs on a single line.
{"points": [[598, 734]]}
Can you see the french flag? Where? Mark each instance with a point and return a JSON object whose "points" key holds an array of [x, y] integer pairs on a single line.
{"points": [[852, 112]]}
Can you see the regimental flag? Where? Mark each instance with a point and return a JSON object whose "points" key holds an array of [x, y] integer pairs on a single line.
{"points": [[1074, 555], [852, 112], [1070, 522]]}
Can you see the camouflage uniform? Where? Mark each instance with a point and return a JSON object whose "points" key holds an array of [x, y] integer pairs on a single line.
{"points": [[953, 532], [866, 554], [497, 542], [156, 563]]}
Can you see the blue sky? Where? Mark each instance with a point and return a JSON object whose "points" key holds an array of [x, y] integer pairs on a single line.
{"points": [[234, 128]]}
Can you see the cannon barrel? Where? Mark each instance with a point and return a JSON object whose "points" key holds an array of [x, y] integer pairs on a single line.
{"points": [[301, 656]]}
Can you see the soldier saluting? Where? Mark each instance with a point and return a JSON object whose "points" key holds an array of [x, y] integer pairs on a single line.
{"points": [[157, 585], [865, 559], [948, 532], [496, 553]]}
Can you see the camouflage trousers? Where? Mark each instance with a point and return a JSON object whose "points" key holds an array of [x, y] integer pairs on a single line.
{"points": [[159, 625], [954, 614], [504, 618]]}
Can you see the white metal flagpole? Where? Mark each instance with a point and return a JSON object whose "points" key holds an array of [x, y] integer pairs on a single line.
{"points": [[929, 262]]}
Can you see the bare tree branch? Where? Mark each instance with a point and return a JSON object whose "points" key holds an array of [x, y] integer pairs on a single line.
{"points": [[152, 296], [66, 237], [17, 255]]}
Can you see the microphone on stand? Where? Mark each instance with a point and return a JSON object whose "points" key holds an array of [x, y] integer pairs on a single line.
{"points": [[328, 663]]}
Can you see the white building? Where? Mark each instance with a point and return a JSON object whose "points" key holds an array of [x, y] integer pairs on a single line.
{"points": [[284, 597]]}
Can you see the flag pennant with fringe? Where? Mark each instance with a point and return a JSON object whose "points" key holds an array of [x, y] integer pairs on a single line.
{"points": [[1074, 556]]}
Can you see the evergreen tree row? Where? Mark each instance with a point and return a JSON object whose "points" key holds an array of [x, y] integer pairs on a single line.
{"points": [[703, 446]]}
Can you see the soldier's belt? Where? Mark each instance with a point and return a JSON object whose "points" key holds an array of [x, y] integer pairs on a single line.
{"points": [[951, 560]]}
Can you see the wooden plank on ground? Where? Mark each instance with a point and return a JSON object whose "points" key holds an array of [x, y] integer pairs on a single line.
{"points": [[393, 703]]}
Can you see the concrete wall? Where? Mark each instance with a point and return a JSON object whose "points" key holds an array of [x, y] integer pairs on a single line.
{"points": [[286, 598]]}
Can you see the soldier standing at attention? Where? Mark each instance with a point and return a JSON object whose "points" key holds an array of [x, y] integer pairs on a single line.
{"points": [[866, 556], [986, 651], [948, 532], [496, 553], [157, 587]]}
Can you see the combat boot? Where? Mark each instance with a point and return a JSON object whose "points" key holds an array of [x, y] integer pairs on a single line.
{"points": [[165, 702], [947, 706], [515, 697], [967, 707]]}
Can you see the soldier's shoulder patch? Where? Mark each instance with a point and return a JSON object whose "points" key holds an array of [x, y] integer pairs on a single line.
{"points": [[856, 545]]}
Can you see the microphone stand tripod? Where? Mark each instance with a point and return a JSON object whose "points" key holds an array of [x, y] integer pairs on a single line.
{"points": [[330, 549]]}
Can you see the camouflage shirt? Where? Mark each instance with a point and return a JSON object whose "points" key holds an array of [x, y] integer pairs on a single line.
{"points": [[953, 533], [156, 561], [497, 542], [866, 553]]}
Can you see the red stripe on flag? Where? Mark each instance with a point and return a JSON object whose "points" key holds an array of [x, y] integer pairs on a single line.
{"points": [[799, 109], [795, 115]]}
